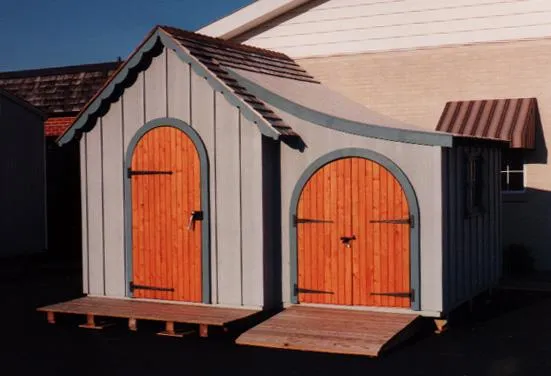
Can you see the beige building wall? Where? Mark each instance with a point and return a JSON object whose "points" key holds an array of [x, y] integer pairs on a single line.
{"points": [[330, 27], [414, 86]]}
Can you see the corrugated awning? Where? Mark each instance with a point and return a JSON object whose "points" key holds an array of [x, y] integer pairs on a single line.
{"points": [[512, 120]]}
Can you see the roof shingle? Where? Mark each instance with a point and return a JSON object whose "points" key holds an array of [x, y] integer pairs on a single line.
{"points": [[217, 54], [60, 90]]}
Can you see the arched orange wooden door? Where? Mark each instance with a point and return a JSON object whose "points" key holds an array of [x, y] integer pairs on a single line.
{"points": [[166, 235], [353, 236]]}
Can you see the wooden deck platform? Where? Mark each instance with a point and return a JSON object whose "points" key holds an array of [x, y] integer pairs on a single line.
{"points": [[332, 330], [134, 310]]}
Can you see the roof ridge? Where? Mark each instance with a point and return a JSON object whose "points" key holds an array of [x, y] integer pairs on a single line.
{"points": [[228, 43]]}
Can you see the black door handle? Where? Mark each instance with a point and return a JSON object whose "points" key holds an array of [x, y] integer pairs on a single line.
{"points": [[347, 239]]}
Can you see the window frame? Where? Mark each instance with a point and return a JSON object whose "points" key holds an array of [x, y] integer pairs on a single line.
{"points": [[474, 188], [501, 172]]}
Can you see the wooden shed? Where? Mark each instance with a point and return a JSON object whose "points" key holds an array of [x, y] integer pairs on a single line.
{"points": [[22, 177], [226, 176]]}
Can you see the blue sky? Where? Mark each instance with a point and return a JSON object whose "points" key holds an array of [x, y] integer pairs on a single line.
{"points": [[45, 33]]}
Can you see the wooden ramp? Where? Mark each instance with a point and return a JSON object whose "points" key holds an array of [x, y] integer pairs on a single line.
{"points": [[332, 330], [133, 310]]}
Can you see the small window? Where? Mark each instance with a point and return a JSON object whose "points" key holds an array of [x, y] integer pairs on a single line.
{"points": [[512, 171], [475, 184]]}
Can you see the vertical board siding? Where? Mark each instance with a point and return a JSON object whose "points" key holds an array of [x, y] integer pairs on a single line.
{"points": [[334, 27], [133, 99], [168, 87], [252, 231], [113, 198], [84, 212], [341, 200], [166, 252], [94, 181], [203, 120], [156, 88], [471, 243], [178, 88], [22, 180], [228, 195]]}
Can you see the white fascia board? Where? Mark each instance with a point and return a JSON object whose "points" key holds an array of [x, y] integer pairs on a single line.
{"points": [[249, 17]]}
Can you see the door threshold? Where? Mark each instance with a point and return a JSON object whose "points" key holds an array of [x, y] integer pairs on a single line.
{"points": [[405, 311]]}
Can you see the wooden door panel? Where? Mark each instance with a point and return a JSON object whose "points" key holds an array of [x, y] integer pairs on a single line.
{"points": [[349, 193], [321, 259], [166, 255], [383, 248]]}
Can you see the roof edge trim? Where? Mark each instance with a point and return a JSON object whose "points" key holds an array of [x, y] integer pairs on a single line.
{"points": [[117, 82], [344, 125], [249, 17]]}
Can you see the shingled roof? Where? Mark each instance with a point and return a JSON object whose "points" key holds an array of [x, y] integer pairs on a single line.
{"points": [[58, 91], [218, 54]]}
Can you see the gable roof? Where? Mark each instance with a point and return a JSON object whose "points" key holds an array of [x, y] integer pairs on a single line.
{"points": [[21, 102], [59, 90], [208, 57], [249, 17]]}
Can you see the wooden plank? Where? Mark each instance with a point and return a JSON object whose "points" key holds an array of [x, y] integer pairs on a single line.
{"points": [[331, 330], [146, 310], [347, 267], [370, 238], [228, 220], [342, 210], [113, 195], [376, 234], [94, 186], [252, 212], [156, 88]]}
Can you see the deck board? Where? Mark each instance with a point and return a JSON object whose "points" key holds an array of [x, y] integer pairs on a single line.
{"points": [[146, 310], [332, 330]]}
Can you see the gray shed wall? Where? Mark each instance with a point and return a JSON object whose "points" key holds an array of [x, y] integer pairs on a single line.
{"points": [[472, 243], [421, 164], [170, 88], [22, 180]]}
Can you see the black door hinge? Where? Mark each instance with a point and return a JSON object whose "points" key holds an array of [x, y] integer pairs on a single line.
{"points": [[142, 287], [131, 172], [402, 294], [409, 220], [297, 220]]}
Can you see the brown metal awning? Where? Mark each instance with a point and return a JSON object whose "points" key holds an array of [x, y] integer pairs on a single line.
{"points": [[512, 120]]}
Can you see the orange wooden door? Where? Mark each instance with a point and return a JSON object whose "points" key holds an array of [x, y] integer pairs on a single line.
{"points": [[166, 251], [353, 236]]}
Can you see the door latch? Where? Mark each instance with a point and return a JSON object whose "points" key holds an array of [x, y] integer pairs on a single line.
{"points": [[347, 239], [196, 215]]}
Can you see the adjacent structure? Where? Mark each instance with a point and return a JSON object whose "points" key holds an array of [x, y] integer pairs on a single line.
{"points": [[486, 61], [22, 177], [60, 93]]}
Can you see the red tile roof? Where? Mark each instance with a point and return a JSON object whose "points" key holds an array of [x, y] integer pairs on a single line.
{"points": [[513, 120], [61, 90], [217, 54], [56, 126]]}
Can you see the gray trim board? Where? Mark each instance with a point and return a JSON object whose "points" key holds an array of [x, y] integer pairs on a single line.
{"points": [[415, 256], [343, 125], [138, 62], [205, 207]]}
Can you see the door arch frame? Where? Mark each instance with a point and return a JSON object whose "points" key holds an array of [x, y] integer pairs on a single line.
{"points": [[204, 191], [413, 205]]}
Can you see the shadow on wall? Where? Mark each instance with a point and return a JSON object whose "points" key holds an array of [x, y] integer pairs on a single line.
{"points": [[527, 222], [539, 154]]}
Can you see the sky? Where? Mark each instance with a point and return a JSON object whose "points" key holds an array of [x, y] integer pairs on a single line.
{"points": [[47, 33]]}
